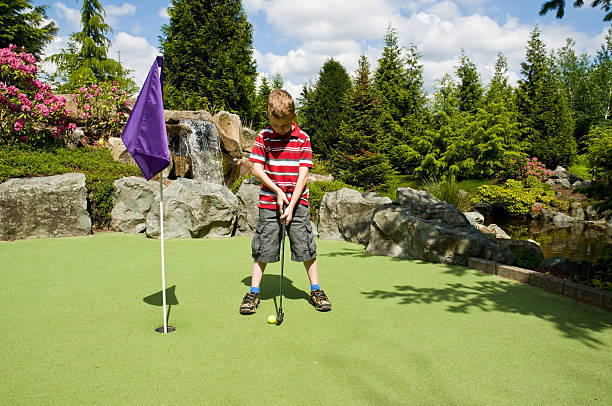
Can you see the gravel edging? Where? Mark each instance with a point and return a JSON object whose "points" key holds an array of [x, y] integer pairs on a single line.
{"points": [[549, 283]]}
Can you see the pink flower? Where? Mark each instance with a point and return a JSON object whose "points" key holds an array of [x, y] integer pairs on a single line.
{"points": [[82, 89], [72, 126], [12, 90], [86, 107], [127, 103], [39, 96], [19, 124], [88, 96]]}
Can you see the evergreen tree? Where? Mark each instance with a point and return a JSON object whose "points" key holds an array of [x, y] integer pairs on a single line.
{"points": [[260, 118], [600, 83], [470, 89], [208, 53], [573, 72], [559, 5], [358, 159], [23, 25], [86, 60], [323, 114], [277, 81], [547, 124], [399, 79], [444, 145]]}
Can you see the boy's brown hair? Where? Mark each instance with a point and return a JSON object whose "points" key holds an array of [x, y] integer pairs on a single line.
{"points": [[280, 104]]}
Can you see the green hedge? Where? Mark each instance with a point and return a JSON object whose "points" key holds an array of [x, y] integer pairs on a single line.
{"points": [[97, 164]]}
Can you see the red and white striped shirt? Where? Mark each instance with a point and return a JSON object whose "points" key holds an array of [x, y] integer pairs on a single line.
{"points": [[281, 156]]}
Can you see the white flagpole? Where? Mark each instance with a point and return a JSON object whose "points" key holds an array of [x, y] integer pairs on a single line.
{"points": [[161, 227]]}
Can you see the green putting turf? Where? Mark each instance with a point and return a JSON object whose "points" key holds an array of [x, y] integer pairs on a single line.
{"points": [[78, 318]]}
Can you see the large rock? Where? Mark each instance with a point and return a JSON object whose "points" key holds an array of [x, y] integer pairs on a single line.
{"points": [[248, 139], [230, 133], [52, 206], [419, 226], [193, 210], [347, 214], [119, 152], [174, 116], [248, 200], [528, 254], [132, 202]]}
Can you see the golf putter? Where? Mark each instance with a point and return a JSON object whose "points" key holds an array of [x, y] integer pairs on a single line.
{"points": [[280, 315]]}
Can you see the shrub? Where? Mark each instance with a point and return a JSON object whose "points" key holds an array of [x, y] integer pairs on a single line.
{"points": [[105, 110], [448, 191], [532, 168], [516, 197], [318, 189], [29, 110], [97, 164]]}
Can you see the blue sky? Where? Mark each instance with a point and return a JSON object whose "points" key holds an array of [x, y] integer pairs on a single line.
{"points": [[295, 37]]}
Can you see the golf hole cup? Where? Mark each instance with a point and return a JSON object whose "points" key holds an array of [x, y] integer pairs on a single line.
{"points": [[271, 319]]}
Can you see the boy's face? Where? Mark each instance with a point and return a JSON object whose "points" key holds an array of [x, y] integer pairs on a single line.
{"points": [[282, 125]]}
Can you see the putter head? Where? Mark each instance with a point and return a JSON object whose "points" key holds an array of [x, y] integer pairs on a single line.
{"points": [[279, 317]]}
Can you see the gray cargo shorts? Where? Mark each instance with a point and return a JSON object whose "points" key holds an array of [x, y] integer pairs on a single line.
{"points": [[265, 246]]}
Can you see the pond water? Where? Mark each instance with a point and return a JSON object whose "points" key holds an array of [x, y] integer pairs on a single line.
{"points": [[578, 241]]}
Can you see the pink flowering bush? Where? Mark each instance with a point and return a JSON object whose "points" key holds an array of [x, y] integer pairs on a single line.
{"points": [[533, 168], [29, 111], [104, 109]]}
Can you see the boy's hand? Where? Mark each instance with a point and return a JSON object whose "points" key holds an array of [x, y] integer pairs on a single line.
{"points": [[281, 200], [287, 215]]}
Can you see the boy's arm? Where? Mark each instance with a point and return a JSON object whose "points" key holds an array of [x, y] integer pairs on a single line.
{"points": [[257, 169], [297, 193]]}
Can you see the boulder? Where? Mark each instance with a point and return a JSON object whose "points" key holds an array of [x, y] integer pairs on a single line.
{"points": [[474, 217], [248, 139], [52, 206], [427, 207], [493, 231], [562, 220], [234, 168], [119, 152], [419, 226], [528, 253], [577, 212], [194, 209], [230, 133], [174, 116], [248, 200], [132, 202], [561, 172], [580, 183], [346, 214]]}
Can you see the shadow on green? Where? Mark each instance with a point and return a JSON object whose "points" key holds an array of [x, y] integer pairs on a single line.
{"points": [[156, 299]]}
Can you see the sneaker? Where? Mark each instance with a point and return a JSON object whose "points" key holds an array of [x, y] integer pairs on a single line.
{"points": [[250, 303], [320, 301]]}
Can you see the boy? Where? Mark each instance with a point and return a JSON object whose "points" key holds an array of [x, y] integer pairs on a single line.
{"points": [[281, 158]]}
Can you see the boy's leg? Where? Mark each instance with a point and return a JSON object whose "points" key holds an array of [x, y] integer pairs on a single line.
{"points": [[312, 271], [317, 296], [250, 302]]}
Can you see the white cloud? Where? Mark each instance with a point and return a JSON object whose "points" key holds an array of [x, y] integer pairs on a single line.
{"points": [[163, 13], [72, 17], [135, 53], [52, 48], [122, 10]]}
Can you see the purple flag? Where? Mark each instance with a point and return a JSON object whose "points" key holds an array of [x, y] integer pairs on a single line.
{"points": [[144, 134]]}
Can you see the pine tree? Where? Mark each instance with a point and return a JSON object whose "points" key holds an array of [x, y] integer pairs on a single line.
{"points": [[260, 119], [86, 60], [325, 103], [23, 25], [399, 79], [277, 81], [600, 83], [358, 159], [573, 71], [547, 124], [209, 60], [470, 89]]}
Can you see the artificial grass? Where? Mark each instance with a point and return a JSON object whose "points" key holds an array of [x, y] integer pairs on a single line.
{"points": [[78, 329]]}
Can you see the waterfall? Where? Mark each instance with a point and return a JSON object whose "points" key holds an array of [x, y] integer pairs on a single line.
{"points": [[204, 148]]}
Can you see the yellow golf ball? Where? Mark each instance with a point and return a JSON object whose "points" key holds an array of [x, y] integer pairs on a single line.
{"points": [[271, 319]]}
